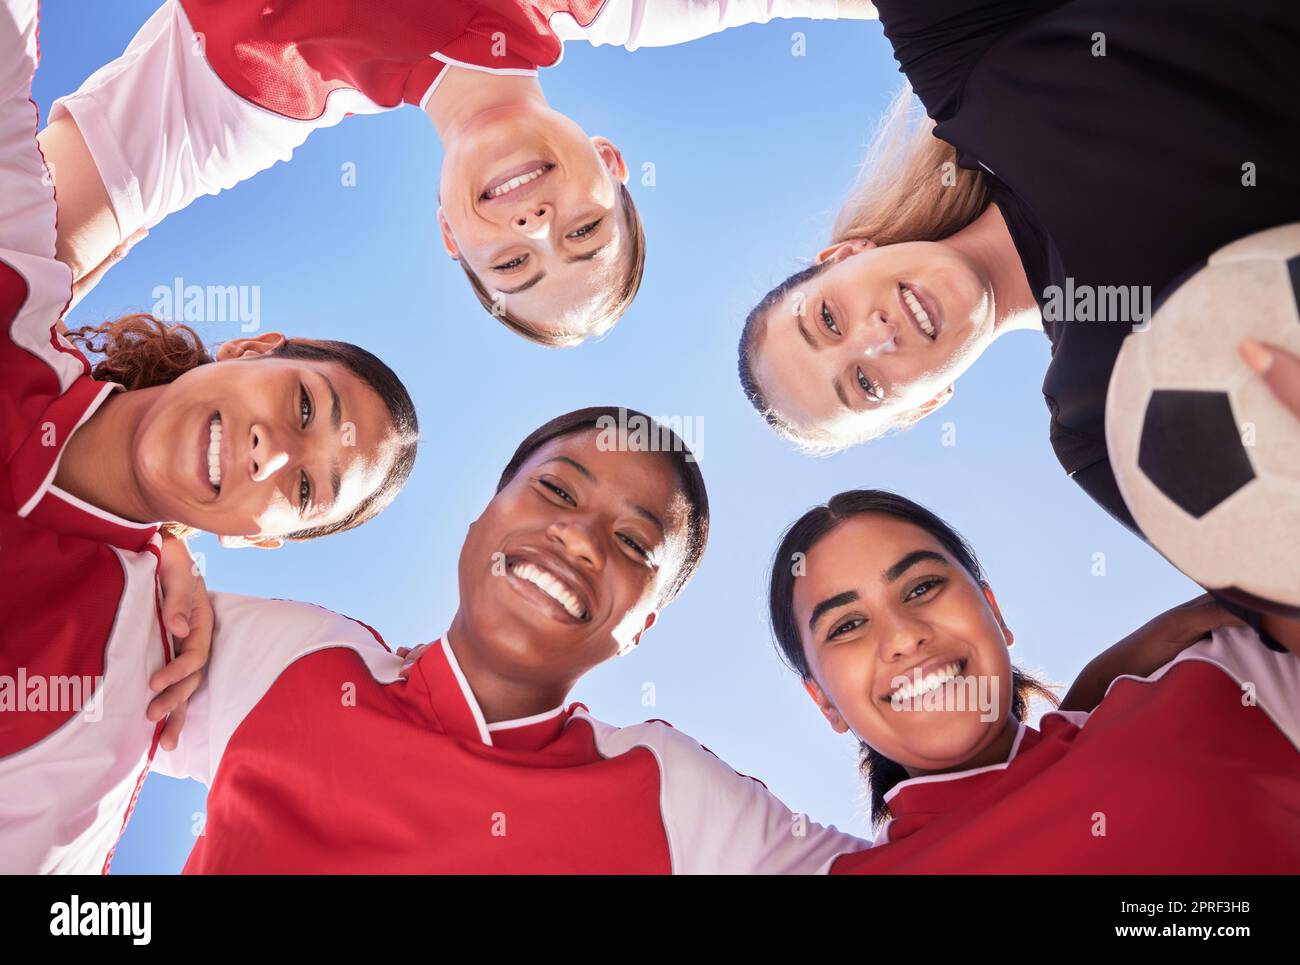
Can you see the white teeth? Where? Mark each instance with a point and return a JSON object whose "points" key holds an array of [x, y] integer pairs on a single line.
{"points": [[214, 452], [513, 183], [931, 681], [549, 585], [918, 312]]}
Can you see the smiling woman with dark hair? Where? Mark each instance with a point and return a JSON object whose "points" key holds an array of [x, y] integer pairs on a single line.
{"points": [[273, 459], [883, 611]]}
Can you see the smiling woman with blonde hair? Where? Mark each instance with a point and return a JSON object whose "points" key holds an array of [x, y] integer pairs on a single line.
{"points": [[1064, 145]]}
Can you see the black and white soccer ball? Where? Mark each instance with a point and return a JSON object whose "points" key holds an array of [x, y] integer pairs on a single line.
{"points": [[1207, 459]]}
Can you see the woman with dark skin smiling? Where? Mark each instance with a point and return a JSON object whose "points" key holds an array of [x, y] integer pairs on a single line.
{"points": [[273, 439], [885, 613], [463, 757]]}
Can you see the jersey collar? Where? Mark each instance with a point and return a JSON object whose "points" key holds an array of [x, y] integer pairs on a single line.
{"points": [[914, 801], [459, 713]]}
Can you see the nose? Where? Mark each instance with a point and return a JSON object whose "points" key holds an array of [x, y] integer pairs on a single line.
{"points": [[578, 541], [903, 638], [533, 221], [876, 336], [265, 457]]}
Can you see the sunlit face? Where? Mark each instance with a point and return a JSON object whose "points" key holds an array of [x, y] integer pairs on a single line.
{"points": [[530, 204], [881, 601], [882, 332], [297, 444], [565, 566]]}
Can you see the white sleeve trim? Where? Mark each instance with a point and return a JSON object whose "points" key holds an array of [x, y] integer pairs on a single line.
{"points": [[662, 23], [257, 640], [716, 820], [1239, 653]]}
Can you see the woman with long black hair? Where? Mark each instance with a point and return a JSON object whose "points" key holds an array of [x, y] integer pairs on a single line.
{"points": [[884, 612]]}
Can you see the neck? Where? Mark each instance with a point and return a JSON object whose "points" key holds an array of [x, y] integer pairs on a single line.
{"points": [[464, 95], [96, 464], [987, 242], [500, 697], [996, 751]]}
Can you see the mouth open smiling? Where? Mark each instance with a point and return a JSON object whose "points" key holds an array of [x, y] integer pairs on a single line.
{"points": [[548, 585]]}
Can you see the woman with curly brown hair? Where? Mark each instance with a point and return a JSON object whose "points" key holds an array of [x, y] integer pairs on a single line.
{"points": [[264, 440], [314, 440]]}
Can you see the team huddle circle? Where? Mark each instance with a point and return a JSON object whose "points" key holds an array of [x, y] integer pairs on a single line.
{"points": [[1077, 654]]}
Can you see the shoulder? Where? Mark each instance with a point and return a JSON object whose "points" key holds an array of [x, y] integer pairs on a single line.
{"points": [[672, 748], [1268, 680], [258, 639]]}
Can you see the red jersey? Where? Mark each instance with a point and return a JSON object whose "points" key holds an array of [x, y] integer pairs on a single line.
{"points": [[1193, 770], [80, 627], [210, 92], [320, 758]]}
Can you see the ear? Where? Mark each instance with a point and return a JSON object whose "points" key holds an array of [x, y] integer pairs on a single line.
{"points": [[244, 348], [611, 156], [923, 410], [843, 249], [448, 242], [993, 603], [825, 706], [650, 619], [241, 542]]}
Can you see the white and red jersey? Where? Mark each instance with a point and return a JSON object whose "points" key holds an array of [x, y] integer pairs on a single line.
{"points": [[210, 92], [1193, 770], [320, 758], [80, 626]]}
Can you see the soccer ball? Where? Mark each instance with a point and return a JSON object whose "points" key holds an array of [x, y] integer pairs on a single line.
{"points": [[1207, 459]]}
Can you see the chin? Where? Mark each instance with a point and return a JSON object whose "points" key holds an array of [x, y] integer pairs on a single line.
{"points": [[946, 746]]}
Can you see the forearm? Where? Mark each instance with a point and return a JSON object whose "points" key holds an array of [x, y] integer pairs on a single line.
{"points": [[1284, 631], [1095, 679], [87, 228], [1147, 649]]}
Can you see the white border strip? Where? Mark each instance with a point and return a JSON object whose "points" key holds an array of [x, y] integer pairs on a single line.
{"points": [[465, 691], [45, 485]]}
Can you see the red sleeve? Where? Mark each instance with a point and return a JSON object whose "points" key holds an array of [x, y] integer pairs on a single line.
{"points": [[289, 57]]}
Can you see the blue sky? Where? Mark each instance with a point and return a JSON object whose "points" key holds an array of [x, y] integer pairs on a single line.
{"points": [[753, 148]]}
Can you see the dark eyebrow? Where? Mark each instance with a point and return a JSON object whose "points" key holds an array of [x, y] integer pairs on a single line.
{"points": [[587, 256], [910, 560], [839, 599], [642, 511], [336, 407], [575, 464], [525, 286], [804, 332], [336, 420]]}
